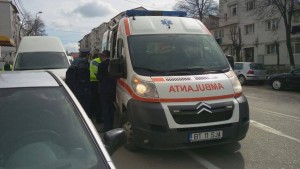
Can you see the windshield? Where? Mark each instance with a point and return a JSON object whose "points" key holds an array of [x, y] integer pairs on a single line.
{"points": [[41, 60], [40, 128], [169, 54]]}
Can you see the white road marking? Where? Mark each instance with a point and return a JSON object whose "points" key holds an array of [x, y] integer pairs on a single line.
{"points": [[275, 113], [271, 130], [201, 160]]}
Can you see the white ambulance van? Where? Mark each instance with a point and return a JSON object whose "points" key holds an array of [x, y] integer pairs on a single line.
{"points": [[175, 87]]}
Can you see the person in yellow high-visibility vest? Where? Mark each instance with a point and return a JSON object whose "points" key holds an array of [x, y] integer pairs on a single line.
{"points": [[6, 67], [95, 108]]}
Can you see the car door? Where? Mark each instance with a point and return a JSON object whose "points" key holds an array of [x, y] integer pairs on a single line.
{"points": [[259, 70], [294, 78]]}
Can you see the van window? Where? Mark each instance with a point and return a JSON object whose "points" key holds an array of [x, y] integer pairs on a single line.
{"points": [[41, 60], [158, 54], [120, 48]]}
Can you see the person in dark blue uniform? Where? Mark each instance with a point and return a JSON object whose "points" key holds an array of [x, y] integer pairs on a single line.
{"points": [[107, 91], [78, 79]]}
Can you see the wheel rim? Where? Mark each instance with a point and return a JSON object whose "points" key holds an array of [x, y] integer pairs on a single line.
{"points": [[242, 79], [128, 131], [276, 84]]}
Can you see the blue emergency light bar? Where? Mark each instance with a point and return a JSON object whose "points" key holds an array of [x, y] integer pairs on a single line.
{"points": [[154, 13]]}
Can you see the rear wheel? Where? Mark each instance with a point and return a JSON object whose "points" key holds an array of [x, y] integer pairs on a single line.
{"points": [[276, 84], [127, 125], [242, 79]]}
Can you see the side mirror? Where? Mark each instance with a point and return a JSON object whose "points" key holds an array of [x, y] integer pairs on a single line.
{"points": [[113, 139], [230, 60], [117, 68]]}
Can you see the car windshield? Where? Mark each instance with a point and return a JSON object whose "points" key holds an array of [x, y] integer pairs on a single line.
{"points": [[41, 60], [257, 66], [40, 128], [171, 54]]}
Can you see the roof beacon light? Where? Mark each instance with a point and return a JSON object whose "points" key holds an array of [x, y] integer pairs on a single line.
{"points": [[155, 13]]}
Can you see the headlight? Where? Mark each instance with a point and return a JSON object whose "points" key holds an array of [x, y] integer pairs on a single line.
{"points": [[234, 81], [144, 88]]}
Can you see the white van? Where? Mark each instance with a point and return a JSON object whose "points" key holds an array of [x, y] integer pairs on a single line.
{"points": [[175, 87], [41, 53]]}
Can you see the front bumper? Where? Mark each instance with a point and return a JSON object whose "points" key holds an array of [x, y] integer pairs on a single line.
{"points": [[151, 131], [256, 78]]}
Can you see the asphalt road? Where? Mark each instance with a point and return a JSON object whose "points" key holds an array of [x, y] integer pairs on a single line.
{"points": [[273, 140]]}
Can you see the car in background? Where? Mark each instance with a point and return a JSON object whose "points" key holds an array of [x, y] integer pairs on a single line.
{"points": [[42, 125], [250, 72], [41, 53], [285, 80], [71, 59]]}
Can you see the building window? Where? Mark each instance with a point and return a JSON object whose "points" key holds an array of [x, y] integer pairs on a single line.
{"points": [[219, 33], [249, 29], [271, 24], [250, 5], [233, 10], [296, 17], [225, 16], [297, 47], [271, 49]]}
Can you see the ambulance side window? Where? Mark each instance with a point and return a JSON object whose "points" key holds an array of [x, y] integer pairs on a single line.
{"points": [[120, 49]]}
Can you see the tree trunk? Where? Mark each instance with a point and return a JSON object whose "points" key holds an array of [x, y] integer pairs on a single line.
{"points": [[290, 50], [278, 58]]}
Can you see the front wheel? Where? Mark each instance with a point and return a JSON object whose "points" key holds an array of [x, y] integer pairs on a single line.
{"points": [[276, 84], [127, 125]]}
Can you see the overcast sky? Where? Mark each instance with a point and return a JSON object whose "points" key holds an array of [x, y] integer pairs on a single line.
{"points": [[70, 20]]}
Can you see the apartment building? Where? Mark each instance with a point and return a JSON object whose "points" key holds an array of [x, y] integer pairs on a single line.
{"points": [[93, 40], [259, 35], [9, 26]]}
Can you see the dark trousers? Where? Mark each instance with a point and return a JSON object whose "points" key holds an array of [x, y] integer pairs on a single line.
{"points": [[95, 104], [107, 105], [84, 101]]}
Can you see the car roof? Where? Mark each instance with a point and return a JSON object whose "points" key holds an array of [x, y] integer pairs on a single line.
{"points": [[18, 79]]}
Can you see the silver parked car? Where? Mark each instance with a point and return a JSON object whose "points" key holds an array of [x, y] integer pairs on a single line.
{"points": [[42, 125], [250, 72]]}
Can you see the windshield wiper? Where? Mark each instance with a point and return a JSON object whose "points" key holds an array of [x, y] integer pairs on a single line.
{"points": [[148, 69], [216, 70], [197, 70], [192, 69]]}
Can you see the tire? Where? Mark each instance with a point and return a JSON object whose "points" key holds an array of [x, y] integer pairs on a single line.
{"points": [[242, 79], [127, 125], [277, 84]]}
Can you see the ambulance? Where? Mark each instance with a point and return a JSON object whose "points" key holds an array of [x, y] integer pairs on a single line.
{"points": [[175, 87]]}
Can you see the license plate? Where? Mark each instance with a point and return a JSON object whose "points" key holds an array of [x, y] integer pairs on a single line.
{"points": [[211, 135]]}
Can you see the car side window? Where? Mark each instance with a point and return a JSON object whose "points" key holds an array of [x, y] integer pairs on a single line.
{"points": [[297, 71]]}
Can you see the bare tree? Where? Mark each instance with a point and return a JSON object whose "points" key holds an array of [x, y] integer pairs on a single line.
{"points": [[198, 8], [37, 28], [236, 38], [285, 9], [32, 26]]}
